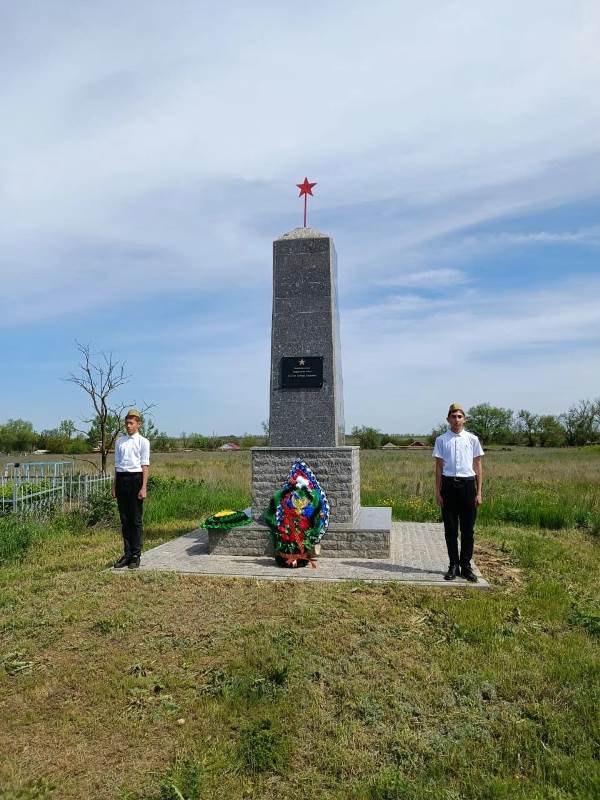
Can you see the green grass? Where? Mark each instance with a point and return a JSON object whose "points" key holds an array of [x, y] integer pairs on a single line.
{"points": [[183, 501], [225, 688], [548, 488], [6, 489], [542, 488], [18, 534], [551, 489], [185, 498]]}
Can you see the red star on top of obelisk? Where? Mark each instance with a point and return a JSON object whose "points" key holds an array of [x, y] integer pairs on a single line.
{"points": [[305, 189]]}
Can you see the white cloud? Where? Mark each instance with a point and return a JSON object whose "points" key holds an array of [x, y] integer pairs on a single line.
{"points": [[477, 326], [468, 246], [535, 349], [163, 151], [427, 279], [108, 128]]}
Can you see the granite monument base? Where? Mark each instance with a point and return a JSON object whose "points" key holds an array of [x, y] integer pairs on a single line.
{"points": [[336, 468], [368, 537]]}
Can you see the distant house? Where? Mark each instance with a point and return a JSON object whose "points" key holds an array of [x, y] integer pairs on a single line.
{"points": [[230, 446], [416, 444]]}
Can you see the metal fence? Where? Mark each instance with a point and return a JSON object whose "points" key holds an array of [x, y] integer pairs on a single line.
{"points": [[37, 470], [40, 497]]}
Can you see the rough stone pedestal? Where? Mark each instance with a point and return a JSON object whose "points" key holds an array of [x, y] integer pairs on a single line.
{"points": [[354, 531], [336, 468], [368, 537]]}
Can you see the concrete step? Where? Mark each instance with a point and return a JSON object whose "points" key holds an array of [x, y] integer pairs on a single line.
{"points": [[368, 537]]}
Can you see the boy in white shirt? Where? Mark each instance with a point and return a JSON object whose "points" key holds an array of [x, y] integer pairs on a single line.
{"points": [[132, 462], [458, 484]]}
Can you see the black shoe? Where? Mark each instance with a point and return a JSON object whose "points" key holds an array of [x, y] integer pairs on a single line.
{"points": [[122, 562], [468, 574], [134, 562], [452, 572]]}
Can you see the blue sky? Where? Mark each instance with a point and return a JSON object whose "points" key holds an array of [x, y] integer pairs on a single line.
{"points": [[149, 156]]}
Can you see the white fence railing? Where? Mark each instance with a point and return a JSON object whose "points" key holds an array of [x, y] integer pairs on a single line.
{"points": [[42, 497]]}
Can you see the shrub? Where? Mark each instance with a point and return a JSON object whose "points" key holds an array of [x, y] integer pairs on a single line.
{"points": [[100, 508], [368, 438], [16, 536], [6, 490]]}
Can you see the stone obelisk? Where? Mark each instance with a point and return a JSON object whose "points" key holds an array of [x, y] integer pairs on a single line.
{"points": [[307, 402], [306, 419]]}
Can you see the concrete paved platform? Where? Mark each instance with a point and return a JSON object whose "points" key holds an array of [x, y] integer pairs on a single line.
{"points": [[418, 556]]}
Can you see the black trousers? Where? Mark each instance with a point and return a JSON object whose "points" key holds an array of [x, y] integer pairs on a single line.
{"points": [[127, 486], [459, 509]]}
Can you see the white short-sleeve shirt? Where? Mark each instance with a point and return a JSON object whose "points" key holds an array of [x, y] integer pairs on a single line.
{"points": [[457, 451], [131, 453]]}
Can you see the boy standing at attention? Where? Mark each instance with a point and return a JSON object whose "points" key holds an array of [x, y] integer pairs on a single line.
{"points": [[458, 484], [132, 462]]}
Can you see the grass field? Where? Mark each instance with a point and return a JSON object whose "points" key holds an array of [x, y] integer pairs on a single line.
{"points": [[547, 488], [158, 687]]}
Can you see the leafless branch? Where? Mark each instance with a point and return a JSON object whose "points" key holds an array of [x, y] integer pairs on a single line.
{"points": [[99, 376]]}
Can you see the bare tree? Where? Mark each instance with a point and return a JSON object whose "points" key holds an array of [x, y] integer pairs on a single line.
{"points": [[99, 375]]}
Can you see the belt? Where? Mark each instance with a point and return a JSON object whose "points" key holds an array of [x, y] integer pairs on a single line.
{"points": [[456, 479]]}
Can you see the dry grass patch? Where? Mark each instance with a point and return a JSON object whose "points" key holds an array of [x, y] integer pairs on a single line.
{"points": [[498, 567]]}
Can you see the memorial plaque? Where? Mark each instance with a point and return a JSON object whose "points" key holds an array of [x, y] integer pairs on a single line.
{"points": [[302, 372]]}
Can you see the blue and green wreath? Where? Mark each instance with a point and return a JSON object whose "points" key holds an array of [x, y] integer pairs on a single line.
{"points": [[298, 516]]}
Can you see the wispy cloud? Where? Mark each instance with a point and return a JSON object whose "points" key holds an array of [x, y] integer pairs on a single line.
{"points": [[517, 320], [427, 279], [535, 348], [139, 138], [157, 159], [503, 240]]}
